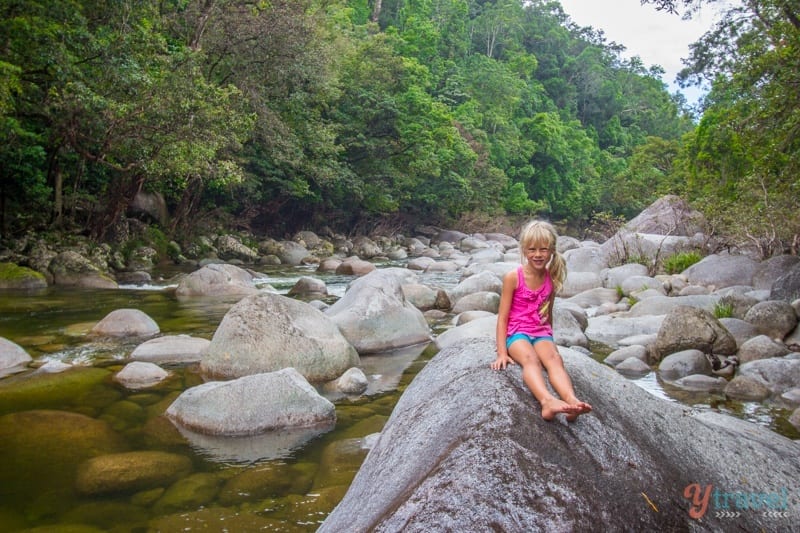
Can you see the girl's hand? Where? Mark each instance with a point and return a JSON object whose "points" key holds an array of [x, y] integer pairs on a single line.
{"points": [[501, 362]]}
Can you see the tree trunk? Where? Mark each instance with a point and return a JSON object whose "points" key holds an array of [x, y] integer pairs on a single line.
{"points": [[119, 196], [376, 11], [58, 197], [189, 201]]}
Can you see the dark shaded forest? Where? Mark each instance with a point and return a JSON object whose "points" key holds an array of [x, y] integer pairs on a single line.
{"points": [[275, 116]]}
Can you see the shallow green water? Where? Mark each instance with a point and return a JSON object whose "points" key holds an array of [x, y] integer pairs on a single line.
{"points": [[37, 488], [41, 451]]}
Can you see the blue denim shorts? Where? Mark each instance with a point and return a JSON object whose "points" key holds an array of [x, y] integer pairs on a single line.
{"points": [[533, 340]]}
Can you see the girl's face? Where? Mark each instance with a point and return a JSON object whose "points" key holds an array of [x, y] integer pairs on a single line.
{"points": [[538, 254]]}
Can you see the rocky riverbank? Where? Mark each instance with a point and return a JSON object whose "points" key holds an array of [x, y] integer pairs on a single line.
{"points": [[726, 325]]}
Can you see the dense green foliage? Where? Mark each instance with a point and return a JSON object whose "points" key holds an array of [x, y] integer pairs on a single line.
{"points": [[285, 114], [742, 163]]}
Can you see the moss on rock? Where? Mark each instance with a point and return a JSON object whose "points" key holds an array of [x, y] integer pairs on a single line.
{"points": [[17, 277]]}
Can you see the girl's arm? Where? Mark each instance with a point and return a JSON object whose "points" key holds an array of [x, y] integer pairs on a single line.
{"points": [[509, 285], [551, 302]]}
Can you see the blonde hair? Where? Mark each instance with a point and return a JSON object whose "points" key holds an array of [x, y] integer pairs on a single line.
{"points": [[538, 231]]}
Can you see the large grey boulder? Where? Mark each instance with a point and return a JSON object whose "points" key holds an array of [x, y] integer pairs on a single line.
{"points": [[421, 296], [626, 245], [775, 318], [639, 284], [252, 405], [627, 352], [478, 301], [662, 305], [355, 266], [778, 374], [594, 297], [366, 248], [760, 347], [267, 332], [71, 269], [485, 327], [769, 270], [507, 241], [610, 329], [217, 280], [451, 236], [374, 316], [309, 287], [742, 331], [787, 287], [231, 247], [686, 328], [586, 259], [567, 330], [456, 457], [486, 255], [684, 363], [722, 271], [577, 282], [616, 276], [291, 253], [482, 281], [126, 323], [669, 215], [498, 269]]}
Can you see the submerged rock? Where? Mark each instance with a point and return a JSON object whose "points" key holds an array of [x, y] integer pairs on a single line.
{"points": [[130, 472], [47, 446]]}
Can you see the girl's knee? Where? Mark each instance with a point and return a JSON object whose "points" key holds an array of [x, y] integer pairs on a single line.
{"points": [[528, 359], [550, 357]]}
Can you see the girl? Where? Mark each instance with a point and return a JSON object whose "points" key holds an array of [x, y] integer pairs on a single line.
{"points": [[524, 322]]}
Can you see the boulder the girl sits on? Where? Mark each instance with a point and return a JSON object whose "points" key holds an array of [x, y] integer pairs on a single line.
{"points": [[525, 318]]}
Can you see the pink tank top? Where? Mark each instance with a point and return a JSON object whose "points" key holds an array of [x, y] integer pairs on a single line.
{"points": [[524, 315]]}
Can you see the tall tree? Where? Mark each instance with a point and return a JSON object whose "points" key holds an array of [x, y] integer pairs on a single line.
{"points": [[752, 60]]}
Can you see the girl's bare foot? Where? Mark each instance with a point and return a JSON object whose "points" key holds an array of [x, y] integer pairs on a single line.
{"points": [[553, 406], [583, 407]]}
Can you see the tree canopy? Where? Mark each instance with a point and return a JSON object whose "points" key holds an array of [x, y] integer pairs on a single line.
{"points": [[292, 114]]}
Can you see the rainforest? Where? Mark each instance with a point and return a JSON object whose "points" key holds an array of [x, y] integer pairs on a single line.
{"points": [[273, 116]]}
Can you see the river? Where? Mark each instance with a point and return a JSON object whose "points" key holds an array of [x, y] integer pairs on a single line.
{"points": [[226, 492]]}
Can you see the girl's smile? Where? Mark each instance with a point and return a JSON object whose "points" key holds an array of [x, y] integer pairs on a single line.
{"points": [[538, 256]]}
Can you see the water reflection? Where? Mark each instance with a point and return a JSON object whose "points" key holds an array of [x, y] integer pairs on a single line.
{"points": [[245, 450]]}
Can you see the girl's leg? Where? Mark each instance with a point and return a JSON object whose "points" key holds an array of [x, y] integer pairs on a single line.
{"points": [[523, 353], [547, 353]]}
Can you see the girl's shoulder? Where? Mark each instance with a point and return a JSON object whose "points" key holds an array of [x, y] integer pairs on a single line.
{"points": [[511, 277]]}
